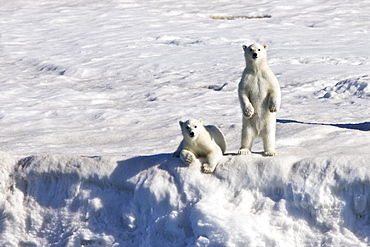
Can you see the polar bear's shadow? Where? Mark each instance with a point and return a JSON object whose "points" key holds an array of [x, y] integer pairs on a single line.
{"points": [[365, 126], [129, 168]]}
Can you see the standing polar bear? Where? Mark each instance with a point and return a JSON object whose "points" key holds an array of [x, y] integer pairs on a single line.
{"points": [[260, 99], [201, 141]]}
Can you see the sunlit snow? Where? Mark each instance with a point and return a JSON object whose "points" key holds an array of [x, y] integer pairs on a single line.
{"points": [[92, 93]]}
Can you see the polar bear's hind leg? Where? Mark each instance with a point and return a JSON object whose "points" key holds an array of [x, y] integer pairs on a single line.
{"points": [[268, 138], [248, 136]]}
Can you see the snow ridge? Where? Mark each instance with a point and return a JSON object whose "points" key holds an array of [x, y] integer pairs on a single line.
{"points": [[59, 200], [358, 87]]}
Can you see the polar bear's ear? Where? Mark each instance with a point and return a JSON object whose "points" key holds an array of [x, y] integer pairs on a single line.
{"points": [[265, 46], [181, 123], [245, 47], [200, 120]]}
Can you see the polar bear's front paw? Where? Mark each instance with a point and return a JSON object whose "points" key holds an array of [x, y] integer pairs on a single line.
{"points": [[244, 151], [189, 159], [273, 107], [248, 111], [208, 168]]}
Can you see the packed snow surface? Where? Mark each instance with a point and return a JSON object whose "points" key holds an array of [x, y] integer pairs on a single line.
{"points": [[92, 93]]}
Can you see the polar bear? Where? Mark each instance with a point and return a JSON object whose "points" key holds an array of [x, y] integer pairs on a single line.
{"points": [[201, 141], [260, 99]]}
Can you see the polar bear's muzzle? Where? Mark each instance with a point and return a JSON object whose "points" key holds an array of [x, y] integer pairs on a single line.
{"points": [[191, 134], [255, 55]]}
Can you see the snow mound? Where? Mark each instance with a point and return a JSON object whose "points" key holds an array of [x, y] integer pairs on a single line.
{"points": [[154, 200], [359, 87]]}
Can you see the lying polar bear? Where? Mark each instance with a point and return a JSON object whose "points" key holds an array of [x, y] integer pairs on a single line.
{"points": [[201, 141]]}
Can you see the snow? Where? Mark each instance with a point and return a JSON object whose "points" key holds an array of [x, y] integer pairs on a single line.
{"points": [[92, 93]]}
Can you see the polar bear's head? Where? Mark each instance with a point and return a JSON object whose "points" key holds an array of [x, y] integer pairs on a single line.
{"points": [[192, 128], [255, 52]]}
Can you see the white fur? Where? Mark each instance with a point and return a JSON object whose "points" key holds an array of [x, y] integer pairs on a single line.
{"points": [[260, 99], [201, 141]]}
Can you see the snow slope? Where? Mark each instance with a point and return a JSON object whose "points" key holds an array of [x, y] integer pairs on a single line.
{"points": [[91, 96], [155, 201]]}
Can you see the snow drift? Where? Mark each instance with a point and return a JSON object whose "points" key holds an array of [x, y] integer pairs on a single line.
{"points": [[85, 82], [155, 201]]}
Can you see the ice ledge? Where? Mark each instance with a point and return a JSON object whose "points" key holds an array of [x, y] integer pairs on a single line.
{"points": [[130, 199]]}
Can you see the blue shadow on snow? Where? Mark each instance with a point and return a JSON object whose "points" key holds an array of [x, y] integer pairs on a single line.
{"points": [[365, 126]]}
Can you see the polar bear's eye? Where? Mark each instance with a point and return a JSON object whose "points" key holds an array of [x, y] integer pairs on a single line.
{"points": [[259, 49], [187, 127], [195, 126], [251, 49]]}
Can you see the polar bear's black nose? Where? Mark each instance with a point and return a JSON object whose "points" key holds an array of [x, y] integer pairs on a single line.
{"points": [[191, 134], [254, 55]]}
